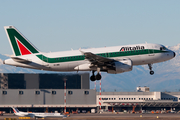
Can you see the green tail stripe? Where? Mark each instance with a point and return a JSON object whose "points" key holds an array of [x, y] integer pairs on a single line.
{"points": [[112, 54], [12, 34]]}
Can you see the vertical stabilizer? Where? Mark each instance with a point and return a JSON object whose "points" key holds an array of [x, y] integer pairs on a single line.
{"points": [[19, 44], [15, 110]]}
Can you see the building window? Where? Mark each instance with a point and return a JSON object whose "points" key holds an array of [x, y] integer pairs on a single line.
{"points": [[134, 98], [4, 92], [37, 92], [104, 98], [86, 92], [20, 92], [70, 92], [179, 98], [114, 98], [139, 98], [53, 92]]}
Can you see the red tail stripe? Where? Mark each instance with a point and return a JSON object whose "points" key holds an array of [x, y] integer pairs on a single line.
{"points": [[23, 50], [14, 111]]}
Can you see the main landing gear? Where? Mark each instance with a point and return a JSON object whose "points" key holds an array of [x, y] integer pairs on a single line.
{"points": [[150, 68], [95, 77]]}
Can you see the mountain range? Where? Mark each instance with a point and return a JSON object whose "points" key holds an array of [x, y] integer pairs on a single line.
{"points": [[166, 77]]}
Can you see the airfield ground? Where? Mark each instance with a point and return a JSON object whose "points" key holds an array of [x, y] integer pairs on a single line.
{"points": [[103, 116]]}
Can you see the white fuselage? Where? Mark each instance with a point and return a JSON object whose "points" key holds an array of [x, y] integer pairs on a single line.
{"points": [[139, 54], [39, 115]]}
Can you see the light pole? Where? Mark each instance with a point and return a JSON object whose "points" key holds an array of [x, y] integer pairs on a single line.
{"points": [[100, 95], [65, 79]]}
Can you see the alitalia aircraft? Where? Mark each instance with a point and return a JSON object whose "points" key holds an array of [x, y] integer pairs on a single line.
{"points": [[113, 60]]}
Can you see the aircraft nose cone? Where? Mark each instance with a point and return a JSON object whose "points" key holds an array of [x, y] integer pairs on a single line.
{"points": [[174, 54]]}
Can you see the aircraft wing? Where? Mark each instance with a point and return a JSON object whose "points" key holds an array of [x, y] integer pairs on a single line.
{"points": [[98, 60]]}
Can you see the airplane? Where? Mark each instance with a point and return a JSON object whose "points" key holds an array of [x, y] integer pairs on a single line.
{"points": [[37, 115], [112, 60]]}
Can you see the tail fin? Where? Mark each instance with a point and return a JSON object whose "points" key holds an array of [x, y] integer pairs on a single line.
{"points": [[15, 110], [19, 44]]}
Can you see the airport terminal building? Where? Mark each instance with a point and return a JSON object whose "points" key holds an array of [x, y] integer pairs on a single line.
{"points": [[39, 92]]}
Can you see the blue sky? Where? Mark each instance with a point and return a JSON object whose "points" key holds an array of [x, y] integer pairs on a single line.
{"points": [[61, 25]]}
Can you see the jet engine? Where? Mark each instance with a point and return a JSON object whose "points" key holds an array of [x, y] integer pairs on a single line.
{"points": [[121, 66]]}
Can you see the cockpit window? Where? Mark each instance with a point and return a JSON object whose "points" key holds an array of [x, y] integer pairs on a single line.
{"points": [[163, 48]]}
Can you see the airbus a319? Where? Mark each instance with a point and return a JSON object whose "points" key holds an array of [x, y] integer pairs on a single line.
{"points": [[112, 60]]}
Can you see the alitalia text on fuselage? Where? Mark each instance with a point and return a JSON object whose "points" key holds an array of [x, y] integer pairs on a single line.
{"points": [[113, 60], [132, 48]]}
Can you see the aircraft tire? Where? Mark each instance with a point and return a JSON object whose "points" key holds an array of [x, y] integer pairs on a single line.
{"points": [[92, 78], [151, 72], [98, 76]]}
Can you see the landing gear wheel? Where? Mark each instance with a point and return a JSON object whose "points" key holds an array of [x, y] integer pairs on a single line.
{"points": [[152, 72], [93, 78], [98, 76], [150, 68]]}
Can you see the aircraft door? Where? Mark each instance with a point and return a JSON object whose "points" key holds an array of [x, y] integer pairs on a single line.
{"points": [[107, 54], [45, 61], [151, 51]]}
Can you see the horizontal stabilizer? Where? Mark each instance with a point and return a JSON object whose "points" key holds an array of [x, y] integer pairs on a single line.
{"points": [[17, 59]]}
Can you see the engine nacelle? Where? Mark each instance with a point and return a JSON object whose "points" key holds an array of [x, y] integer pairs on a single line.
{"points": [[122, 66]]}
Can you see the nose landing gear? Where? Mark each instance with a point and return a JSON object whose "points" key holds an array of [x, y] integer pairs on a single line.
{"points": [[150, 68]]}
